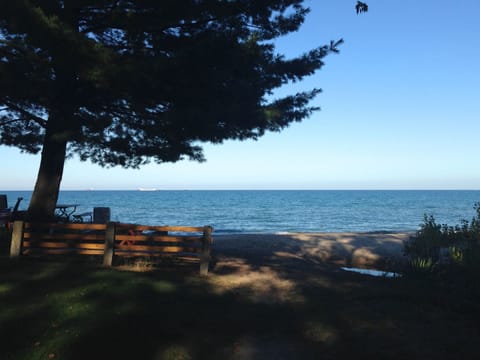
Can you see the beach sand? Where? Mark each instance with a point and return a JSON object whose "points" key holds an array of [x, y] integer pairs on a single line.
{"points": [[363, 250], [276, 268]]}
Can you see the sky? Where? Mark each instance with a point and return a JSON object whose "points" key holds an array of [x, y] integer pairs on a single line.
{"points": [[400, 109]]}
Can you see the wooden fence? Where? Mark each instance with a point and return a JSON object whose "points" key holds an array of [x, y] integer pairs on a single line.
{"points": [[113, 239]]}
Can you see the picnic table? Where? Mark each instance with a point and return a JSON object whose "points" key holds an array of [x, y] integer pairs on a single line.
{"points": [[63, 212]]}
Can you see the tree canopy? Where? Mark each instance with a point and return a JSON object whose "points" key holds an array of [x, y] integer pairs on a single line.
{"points": [[124, 82]]}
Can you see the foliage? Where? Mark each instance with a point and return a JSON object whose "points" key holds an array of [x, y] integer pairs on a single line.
{"points": [[418, 266], [126, 82], [361, 7], [123, 83], [443, 248]]}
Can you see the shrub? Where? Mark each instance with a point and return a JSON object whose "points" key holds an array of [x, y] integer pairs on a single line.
{"points": [[443, 247]]}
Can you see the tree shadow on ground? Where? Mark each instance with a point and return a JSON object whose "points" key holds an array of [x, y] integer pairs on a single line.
{"points": [[255, 304], [366, 250]]}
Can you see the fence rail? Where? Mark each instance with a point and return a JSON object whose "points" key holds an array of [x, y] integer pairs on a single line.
{"points": [[113, 239]]}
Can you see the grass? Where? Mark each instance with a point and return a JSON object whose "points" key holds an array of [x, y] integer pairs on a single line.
{"points": [[73, 309]]}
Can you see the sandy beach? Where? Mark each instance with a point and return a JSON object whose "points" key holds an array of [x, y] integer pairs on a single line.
{"points": [[354, 249], [271, 268]]}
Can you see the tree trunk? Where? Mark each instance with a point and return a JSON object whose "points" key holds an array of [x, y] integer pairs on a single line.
{"points": [[45, 195]]}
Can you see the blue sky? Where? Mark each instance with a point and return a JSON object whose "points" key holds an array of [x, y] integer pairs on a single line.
{"points": [[400, 110]]}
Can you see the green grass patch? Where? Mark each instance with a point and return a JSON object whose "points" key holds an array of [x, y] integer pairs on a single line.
{"points": [[76, 310]]}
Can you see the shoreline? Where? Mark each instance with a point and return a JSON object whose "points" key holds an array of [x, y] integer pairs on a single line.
{"points": [[307, 232]]}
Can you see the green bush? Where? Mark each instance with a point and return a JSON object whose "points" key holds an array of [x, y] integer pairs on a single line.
{"points": [[443, 247]]}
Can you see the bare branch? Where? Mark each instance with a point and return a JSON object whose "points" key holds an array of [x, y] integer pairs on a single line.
{"points": [[29, 116], [6, 122]]}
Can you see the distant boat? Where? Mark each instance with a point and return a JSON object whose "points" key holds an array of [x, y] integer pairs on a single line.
{"points": [[147, 189]]}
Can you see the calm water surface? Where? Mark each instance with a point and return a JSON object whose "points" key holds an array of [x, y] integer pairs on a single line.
{"points": [[274, 211]]}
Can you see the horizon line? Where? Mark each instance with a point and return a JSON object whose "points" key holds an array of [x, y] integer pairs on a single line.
{"points": [[256, 189]]}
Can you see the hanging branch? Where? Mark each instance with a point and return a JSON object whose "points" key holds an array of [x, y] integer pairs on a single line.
{"points": [[361, 7]]}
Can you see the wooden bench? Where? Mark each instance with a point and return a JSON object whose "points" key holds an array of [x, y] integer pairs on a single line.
{"points": [[113, 239]]}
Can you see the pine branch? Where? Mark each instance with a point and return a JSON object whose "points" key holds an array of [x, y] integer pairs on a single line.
{"points": [[29, 116], [361, 7]]}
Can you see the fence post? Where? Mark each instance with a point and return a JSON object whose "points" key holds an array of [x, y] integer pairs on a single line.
{"points": [[109, 244], [101, 215], [206, 242], [17, 237]]}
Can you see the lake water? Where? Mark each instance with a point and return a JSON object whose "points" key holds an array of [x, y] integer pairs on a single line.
{"points": [[260, 211]]}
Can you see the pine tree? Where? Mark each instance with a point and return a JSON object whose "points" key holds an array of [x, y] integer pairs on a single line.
{"points": [[125, 82]]}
